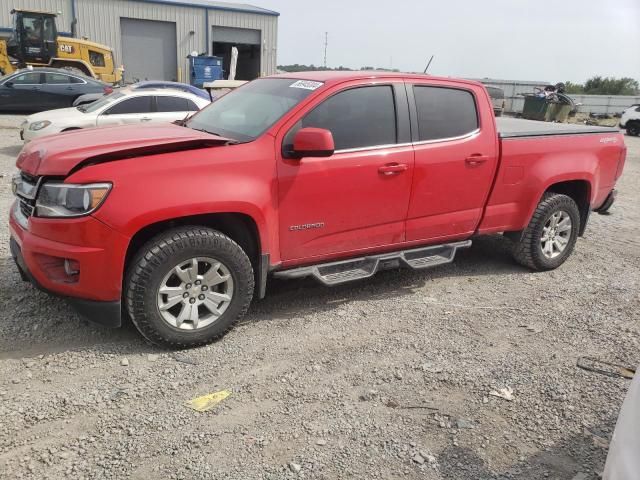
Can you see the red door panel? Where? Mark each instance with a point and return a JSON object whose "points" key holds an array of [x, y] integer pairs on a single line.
{"points": [[345, 202], [453, 174]]}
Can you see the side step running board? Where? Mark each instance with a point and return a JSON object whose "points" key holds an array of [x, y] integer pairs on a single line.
{"points": [[335, 273]]}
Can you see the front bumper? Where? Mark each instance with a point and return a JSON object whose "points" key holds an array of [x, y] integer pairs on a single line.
{"points": [[41, 250]]}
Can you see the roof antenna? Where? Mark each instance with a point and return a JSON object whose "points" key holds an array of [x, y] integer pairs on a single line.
{"points": [[427, 67]]}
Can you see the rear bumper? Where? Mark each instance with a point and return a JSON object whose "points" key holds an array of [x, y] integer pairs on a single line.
{"points": [[608, 202], [41, 253]]}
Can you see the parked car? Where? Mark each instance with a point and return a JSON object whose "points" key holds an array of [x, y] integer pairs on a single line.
{"points": [[630, 120], [118, 108], [497, 100], [45, 89], [332, 175], [92, 97]]}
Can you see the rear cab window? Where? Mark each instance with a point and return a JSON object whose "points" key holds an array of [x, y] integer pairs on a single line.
{"points": [[444, 113]]}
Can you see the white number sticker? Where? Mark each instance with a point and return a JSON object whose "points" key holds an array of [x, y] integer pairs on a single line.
{"points": [[306, 84]]}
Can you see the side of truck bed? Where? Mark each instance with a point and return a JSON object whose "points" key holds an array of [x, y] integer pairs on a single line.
{"points": [[517, 127]]}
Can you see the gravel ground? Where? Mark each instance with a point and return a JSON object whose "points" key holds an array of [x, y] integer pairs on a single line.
{"points": [[385, 378]]}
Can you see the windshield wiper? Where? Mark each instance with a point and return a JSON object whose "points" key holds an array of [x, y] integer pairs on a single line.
{"points": [[183, 122], [230, 141]]}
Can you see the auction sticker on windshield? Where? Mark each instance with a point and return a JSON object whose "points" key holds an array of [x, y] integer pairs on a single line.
{"points": [[306, 84]]}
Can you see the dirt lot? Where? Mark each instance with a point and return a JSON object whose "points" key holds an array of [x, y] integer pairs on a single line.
{"points": [[386, 378]]}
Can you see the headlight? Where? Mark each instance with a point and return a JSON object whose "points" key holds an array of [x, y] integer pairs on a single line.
{"points": [[39, 125], [69, 200]]}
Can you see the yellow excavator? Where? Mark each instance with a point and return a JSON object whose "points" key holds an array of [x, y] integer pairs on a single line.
{"points": [[34, 42]]}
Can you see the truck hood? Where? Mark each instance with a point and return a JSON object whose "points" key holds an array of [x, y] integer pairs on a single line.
{"points": [[61, 154]]}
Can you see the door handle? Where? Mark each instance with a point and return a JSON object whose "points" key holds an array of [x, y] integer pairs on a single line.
{"points": [[145, 119], [393, 168], [475, 160]]}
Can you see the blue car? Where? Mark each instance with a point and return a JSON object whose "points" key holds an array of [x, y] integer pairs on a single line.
{"points": [[92, 97], [175, 85]]}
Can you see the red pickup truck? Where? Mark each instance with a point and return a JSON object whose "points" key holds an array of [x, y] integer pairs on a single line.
{"points": [[333, 175]]}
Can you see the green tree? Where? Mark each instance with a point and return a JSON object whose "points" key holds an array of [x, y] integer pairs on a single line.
{"points": [[575, 88], [611, 86]]}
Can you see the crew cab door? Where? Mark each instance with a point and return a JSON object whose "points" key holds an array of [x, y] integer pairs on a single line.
{"points": [[456, 156], [351, 200]]}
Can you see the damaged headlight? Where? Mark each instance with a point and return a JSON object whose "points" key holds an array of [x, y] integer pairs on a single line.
{"points": [[69, 200], [35, 126]]}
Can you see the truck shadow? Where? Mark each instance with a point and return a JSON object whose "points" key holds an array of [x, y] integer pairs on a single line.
{"points": [[288, 298], [577, 453], [36, 323]]}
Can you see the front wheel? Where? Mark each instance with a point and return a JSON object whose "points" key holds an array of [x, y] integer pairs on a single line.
{"points": [[551, 235], [188, 287]]}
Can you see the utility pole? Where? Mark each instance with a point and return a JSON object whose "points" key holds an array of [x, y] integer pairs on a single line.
{"points": [[326, 42]]}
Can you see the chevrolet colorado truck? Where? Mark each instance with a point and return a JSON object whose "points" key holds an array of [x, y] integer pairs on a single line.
{"points": [[333, 175]]}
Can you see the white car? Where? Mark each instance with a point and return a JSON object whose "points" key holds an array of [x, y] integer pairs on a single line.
{"points": [[630, 120], [121, 107]]}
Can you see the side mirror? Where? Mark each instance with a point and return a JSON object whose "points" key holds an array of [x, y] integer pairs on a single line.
{"points": [[8, 84], [313, 142]]}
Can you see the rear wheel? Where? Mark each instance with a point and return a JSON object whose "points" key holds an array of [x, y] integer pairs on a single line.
{"points": [[551, 235], [633, 128], [188, 287]]}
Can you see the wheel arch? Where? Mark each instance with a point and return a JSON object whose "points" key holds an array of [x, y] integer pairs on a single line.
{"points": [[580, 192], [240, 227]]}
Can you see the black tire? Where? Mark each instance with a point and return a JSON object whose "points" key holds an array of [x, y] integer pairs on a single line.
{"points": [[633, 128], [527, 250], [158, 257]]}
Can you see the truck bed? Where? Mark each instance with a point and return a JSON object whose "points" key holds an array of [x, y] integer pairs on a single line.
{"points": [[517, 127]]}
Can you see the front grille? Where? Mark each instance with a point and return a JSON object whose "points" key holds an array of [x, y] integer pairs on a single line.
{"points": [[26, 208], [26, 189]]}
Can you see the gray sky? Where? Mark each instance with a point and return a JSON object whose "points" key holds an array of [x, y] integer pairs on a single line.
{"points": [[544, 40]]}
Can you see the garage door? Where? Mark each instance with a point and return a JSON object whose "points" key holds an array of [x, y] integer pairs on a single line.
{"points": [[244, 36], [149, 49]]}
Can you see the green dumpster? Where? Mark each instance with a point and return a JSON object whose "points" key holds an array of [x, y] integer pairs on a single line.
{"points": [[535, 108], [544, 109]]}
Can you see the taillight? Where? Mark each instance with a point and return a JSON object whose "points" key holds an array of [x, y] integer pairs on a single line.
{"points": [[107, 90]]}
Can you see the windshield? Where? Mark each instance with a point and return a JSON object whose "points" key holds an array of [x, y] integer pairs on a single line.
{"points": [[244, 114], [101, 102]]}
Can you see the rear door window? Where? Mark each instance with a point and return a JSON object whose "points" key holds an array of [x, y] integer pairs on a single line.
{"points": [[171, 104], [444, 112], [358, 118], [191, 106], [131, 105], [57, 79]]}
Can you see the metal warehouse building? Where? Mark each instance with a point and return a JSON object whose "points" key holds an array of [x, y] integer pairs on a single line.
{"points": [[152, 38]]}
